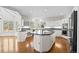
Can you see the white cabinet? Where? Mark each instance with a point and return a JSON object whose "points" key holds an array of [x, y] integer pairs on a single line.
{"points": [[42, 43], [21, 36]]}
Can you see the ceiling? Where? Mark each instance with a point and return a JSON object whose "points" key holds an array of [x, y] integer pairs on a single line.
{"points": [[42, 11]]}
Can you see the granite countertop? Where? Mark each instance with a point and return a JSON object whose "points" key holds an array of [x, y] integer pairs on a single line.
{"points": [[7, 33]]}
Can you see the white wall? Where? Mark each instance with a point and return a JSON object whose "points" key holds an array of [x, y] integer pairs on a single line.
{"points": [[57, 22]]}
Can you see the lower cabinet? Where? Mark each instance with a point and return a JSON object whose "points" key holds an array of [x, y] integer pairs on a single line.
{"points": [[42, 43], [8, 44]]}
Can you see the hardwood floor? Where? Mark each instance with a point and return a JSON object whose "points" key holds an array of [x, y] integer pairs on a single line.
{"points": [[61, 45], [25, 47]]}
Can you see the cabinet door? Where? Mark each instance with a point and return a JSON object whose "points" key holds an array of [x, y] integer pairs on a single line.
{"points": [[0, 44], [8, 44], [46, 43], [11, 44], [5, 45], [36, 42]]}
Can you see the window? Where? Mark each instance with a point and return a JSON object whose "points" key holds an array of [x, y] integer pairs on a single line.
{"points": [[26, 23], [8, 26]]}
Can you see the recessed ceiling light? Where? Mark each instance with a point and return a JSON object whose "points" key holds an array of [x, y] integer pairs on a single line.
{"points": [[45, 10], [30, 11], [61, 14]]}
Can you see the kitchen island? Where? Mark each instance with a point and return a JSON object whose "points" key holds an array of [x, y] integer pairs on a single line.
{"points": [[61, 45]]}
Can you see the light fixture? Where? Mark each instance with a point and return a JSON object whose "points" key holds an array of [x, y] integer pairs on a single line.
{"points": [[45, 10], [30, 11]]}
